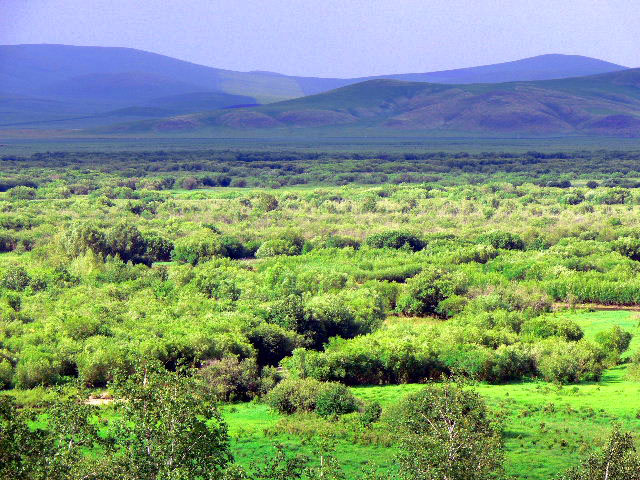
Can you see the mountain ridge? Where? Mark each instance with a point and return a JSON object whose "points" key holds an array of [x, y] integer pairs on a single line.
{"points": [[604, 104]]}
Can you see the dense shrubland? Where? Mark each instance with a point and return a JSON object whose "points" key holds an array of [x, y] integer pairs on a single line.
{"points": [[306, 278]]}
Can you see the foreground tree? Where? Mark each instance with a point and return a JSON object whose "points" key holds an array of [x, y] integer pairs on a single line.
{"points": [[618, 460], [165, 429], [446, 433]]}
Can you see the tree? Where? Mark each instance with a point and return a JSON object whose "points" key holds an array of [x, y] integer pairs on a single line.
{"points": [[52, 453], [166, 428], [21, 449], [446, 433], [618, 460]]}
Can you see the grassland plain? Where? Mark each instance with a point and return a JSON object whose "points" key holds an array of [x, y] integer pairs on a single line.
{"points": [[548, 427]]}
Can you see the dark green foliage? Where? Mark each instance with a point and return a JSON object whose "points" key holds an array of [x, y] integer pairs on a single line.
{"points": [[371, 413], [288, 312], [8, 242], [308, 395], [628, 246], [335, 399], [395, 239], [231, 380], [425, 291], [235, 249], [504, 240], [126, 241], [446, 433], [616, 340], [272, 343], [335, 241], [158, 249], [83, 237], [15, 278]]}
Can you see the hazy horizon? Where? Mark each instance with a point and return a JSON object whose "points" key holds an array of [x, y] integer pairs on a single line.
{"points": [[334, 39]]}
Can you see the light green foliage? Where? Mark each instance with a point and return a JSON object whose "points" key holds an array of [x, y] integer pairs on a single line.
{"points": [[446, 433]]}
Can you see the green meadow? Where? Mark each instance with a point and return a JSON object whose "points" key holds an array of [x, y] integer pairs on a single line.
{"points": [[548, 427]]}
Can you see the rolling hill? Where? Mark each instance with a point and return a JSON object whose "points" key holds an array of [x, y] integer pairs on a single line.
{"points": [[606, 104], [72, 87]]}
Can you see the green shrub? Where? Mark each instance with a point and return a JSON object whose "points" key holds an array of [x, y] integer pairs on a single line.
{"points": [[231, 379], [158, 249], [573, 198], [265, 202], [83, 237], [308, 395], [218, 279], [294, 395], [22, 192], [273, 248], [371, 413], [272, 342], [545, 327], [569, 362], [615, 340], [335, 399], [612, 196], [287, 243], [395, 239], [477, 253], [511, 362], [37, 366], [6, 374], [15, 278], [425, 291], [335, 241], [503, 240], [100, 360], [126, 241], [8, 242], [198, 247], [627, 246]]}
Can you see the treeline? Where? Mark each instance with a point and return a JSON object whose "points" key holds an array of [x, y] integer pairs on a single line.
{"points": [[211, 168]]}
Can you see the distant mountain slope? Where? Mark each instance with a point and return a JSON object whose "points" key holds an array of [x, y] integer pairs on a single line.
{"points": [[543, 67], [60, 82], [607, 104]]}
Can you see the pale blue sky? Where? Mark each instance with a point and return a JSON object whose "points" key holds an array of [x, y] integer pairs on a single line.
{"points": [[341, 38]]}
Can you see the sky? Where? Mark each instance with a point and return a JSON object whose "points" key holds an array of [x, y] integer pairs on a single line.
{"points": [[335, 38]]}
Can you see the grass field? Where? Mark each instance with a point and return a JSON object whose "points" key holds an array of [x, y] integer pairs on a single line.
{"points": [[548, 427]]}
